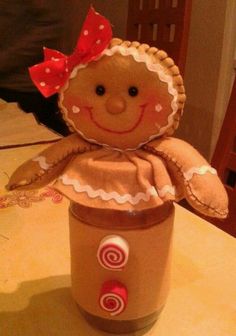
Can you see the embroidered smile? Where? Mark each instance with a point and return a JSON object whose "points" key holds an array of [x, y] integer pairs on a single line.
{"points": [[132, 128]]}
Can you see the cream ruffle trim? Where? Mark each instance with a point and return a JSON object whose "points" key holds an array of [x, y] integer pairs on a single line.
{"points": [[42, 162], [199, 171], [121, 199]]}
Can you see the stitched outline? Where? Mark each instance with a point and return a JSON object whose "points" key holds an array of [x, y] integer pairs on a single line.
{"points": [[188, 186], [39, 175]]}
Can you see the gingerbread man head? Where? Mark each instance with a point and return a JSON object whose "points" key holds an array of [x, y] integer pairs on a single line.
{"points": [[115, 93], [129, 95]]}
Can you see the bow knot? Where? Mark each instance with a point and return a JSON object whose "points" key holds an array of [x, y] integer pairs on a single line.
{"points": [[50, 75]]}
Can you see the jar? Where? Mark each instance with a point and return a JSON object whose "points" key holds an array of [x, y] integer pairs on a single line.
{"points": [[145, 275]]}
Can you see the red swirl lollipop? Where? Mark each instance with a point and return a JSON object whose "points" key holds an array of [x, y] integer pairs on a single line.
{"points": [[114, 297], [113, 253]]}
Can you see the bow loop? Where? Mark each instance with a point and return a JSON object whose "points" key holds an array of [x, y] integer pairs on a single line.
{"points": [[52, 55], [95, 35], [52, 74]]}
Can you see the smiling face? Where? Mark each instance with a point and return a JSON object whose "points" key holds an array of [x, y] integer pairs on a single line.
{"points": [[117, 101]]}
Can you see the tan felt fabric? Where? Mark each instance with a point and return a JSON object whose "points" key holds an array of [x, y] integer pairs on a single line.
{"points": [[101, 171], [114, 180], [116, 118], [146, 275], [204, 192], [121, 220], [115, 174], [31, 175]]}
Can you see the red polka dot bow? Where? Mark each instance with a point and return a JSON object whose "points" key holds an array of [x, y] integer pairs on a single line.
{"points": [[50, 75]]}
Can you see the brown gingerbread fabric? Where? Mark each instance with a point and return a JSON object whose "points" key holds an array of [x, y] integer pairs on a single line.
{"points": [[202, 188], [122, 174], [111, 179], [117, 105], [48, 164], [121, 171]]}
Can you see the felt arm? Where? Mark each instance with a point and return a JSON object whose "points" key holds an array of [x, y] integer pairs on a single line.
{"points": [[199, 181], [46, 166]]}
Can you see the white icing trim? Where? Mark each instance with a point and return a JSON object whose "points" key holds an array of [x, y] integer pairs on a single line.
{"points": [[42, 162], [158, 108], [138, 57], [167, 189], [113, 195], [199, 171], [75, 109]]}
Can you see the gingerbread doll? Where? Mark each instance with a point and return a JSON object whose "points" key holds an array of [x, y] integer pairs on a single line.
{"points": [[121, 171]]}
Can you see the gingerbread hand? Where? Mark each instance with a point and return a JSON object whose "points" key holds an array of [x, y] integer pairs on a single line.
{"points": [[45, 167], [202, 187]]}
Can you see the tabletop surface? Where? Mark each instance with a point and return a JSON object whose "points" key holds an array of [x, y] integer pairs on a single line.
{"points": [[35, 294], [18, 128]]}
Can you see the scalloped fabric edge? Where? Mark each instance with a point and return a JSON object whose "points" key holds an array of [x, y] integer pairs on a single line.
{"points": [[168, 157], [120, 199]]}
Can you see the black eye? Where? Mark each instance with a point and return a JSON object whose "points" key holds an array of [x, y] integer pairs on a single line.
{"points": [[133, 91], [100, 90]]}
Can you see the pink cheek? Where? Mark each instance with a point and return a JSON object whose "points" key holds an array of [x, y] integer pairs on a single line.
{"points": [[158, 117], [156, 111], [151, 115], [75, 106]]}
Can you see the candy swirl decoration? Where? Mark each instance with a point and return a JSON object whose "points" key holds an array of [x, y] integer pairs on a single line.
{"points": [[113, 253], [114, 297]]}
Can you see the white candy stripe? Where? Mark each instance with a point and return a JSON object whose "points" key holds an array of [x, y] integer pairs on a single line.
{"points": [[42, 162], [119, 304], [199, 171], [113, 253], [113, 195]]}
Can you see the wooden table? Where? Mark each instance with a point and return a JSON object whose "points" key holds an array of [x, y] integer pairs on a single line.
{"points": [[18, 128], [35, 294]]}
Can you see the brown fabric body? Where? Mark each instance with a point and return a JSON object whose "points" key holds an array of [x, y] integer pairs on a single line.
{"points": [[120, 327], [146, 275], [206, 192], [121, 220], [105, 177]]}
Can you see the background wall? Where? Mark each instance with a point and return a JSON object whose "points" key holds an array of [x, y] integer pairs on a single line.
{"points": [[208, 72], [115, 10], [227, 70]]}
